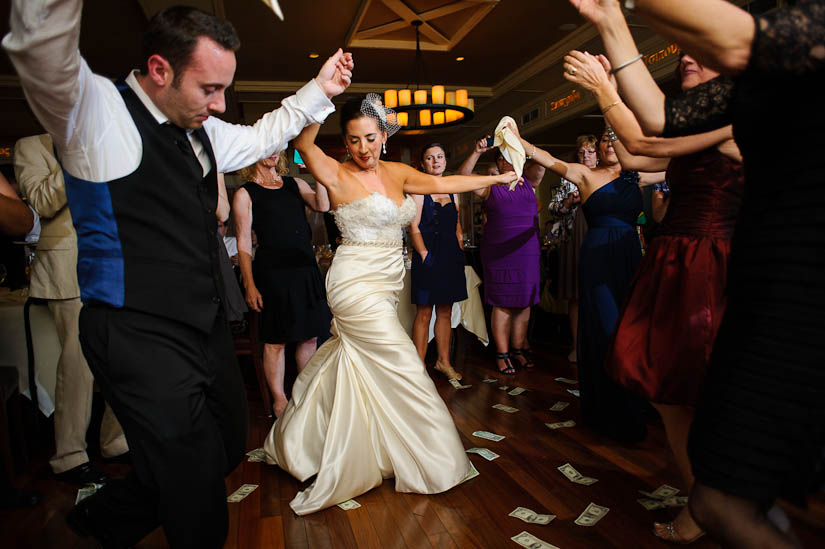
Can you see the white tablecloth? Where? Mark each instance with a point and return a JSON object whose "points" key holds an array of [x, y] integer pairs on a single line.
{"points": [[469, 313], [13, 345]]}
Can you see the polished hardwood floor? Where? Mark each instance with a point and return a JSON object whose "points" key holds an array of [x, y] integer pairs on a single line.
{"points": [[474, 514]]}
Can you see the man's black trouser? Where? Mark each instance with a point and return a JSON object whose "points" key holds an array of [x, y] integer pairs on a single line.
{"points": [[179, 396]]}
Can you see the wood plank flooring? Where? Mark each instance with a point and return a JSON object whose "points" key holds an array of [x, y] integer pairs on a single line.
{"points": [[474, 514]]}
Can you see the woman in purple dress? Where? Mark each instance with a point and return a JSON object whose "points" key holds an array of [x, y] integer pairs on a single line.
{"points": [[510, 256]]}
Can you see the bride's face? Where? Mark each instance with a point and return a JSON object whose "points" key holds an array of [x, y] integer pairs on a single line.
{"points": [[364, 140]]}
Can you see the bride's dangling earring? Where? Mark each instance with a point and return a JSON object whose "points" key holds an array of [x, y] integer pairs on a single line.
{"points": [[384, 147]]}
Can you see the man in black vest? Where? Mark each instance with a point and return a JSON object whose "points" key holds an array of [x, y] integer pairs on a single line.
{"points": [[140, 159]]}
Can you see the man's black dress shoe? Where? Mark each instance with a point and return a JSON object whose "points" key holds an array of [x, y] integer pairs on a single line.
{"points": [[83, 474]]}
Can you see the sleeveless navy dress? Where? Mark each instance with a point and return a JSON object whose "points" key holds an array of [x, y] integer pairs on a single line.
{"points": [[609, 257], [440, 279]]}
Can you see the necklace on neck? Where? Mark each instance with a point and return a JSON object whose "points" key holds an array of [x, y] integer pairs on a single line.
{"points": [[271, 181]]}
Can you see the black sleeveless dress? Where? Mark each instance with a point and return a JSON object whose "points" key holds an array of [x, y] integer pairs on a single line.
{"points": [[759, 430], [285, 271]]}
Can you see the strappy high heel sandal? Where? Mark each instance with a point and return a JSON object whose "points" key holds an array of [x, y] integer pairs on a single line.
{"points": [[509, 370], [528, 364]]}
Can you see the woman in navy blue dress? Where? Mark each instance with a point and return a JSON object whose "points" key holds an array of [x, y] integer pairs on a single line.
{"points": [[609, 256], [437, 264]]}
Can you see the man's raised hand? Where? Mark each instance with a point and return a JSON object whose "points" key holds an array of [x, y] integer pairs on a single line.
{"points": [[336, 74]]}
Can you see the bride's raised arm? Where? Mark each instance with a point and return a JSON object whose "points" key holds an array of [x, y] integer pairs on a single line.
{"points": [[416, 182], [323, 168]]}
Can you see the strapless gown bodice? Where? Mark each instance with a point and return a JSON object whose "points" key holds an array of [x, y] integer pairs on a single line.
{"points": [[374, 219]]}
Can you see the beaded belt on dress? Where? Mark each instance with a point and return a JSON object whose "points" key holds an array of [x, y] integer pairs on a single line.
{"points": [[372, 243]]}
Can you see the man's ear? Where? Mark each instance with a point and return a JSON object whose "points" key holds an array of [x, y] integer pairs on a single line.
{"points": [[159, 71]]}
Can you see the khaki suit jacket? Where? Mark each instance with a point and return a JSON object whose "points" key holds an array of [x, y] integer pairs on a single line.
{"points": [[54, 271]]}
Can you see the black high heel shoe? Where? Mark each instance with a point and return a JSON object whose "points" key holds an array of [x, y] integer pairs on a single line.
{"points": [[509, 370], [529, 364]]}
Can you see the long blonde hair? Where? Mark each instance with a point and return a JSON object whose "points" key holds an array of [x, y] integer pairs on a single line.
{"points": [[248, 173]]}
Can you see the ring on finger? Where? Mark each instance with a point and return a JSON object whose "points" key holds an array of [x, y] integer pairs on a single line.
{"points": [[572, 70]]}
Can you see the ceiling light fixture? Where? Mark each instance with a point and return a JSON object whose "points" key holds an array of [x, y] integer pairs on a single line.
{"points": [[418, 113], [461, 58], [314, 55]]}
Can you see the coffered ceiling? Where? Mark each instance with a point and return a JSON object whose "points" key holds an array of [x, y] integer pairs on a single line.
{"points": [[511, 49]]}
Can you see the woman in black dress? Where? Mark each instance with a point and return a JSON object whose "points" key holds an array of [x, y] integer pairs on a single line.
{"points": [[437, 277], [283, 283], [759, 429]]}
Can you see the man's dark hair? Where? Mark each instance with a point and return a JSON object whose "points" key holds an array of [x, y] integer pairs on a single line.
{"points": [[173, 34]]}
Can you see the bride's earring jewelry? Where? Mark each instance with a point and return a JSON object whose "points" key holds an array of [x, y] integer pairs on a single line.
{"points": [[384, 147]]}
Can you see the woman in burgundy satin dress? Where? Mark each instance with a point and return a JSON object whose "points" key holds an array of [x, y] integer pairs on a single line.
{"points": [[665, 332]]}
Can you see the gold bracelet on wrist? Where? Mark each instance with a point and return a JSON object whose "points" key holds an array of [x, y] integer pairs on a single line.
{"points": [[610, 106]]}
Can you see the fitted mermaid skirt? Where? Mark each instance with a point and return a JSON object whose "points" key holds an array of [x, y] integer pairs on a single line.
{"points": [[364, 408]]}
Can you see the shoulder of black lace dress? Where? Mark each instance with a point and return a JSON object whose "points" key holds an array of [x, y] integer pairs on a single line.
{"points": [[790, 40], [700, 109]]}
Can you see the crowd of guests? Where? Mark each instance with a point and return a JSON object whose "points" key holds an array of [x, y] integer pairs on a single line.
{"points": [[718, 327]]}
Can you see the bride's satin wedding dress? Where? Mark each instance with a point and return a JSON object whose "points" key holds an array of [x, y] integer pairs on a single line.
{"points": [[364, 408]]}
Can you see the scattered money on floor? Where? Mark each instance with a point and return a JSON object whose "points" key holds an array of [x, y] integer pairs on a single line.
{"points": [[561, 424], [574, 392], [526, 539], [559, 406], [517, 391], [349, 505], [457, 384], [487, 454], [488, 435], [489, 380], [590, 516], [505, 408], [566, 380], [574, 476], [241, 493], [256, 456], [531, 517]]}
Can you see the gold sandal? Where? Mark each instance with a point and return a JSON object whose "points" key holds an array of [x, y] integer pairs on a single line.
{"points": [[448, 371]]}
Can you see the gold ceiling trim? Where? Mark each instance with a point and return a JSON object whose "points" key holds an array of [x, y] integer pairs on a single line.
{"points": [[469, 12]]}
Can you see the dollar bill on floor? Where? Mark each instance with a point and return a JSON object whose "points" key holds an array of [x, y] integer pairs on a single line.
{"points": [[473, 473], [574, 476], [349, 505], [489, 380], [651, 504], [676, 501], [517, 391], [257, 455], [505, 408], [661, 493], [531, 517], [559, 406], [503, 388], [590, 516], [561, 424], [487, 454], [457, 384], [86, 491], [566, 380], [488, 435], [241, 493], [526, 539], [574, 392]]}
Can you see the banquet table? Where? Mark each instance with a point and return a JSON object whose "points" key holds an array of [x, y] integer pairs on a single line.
{"points": [[468, 313], [13, 345]]}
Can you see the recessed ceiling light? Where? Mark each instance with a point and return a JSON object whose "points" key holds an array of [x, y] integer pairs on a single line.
{"points": [[567, 27], [314, 55], [460, 58]]}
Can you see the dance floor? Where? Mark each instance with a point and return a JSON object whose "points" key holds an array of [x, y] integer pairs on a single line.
{"points": [[474, 514]]}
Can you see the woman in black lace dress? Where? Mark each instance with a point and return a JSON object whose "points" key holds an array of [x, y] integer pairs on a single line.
{"points": [[759, 430]]}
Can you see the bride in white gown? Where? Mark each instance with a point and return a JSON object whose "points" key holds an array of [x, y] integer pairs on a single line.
{"points": [[364, 408]]}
